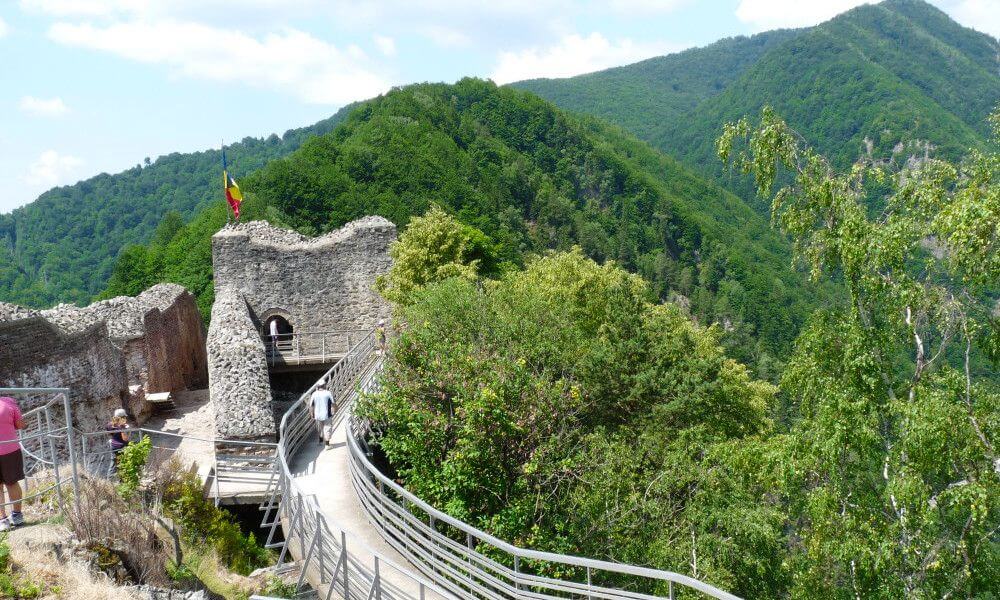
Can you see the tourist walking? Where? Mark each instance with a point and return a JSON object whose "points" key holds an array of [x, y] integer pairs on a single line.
{"points": [[11, 463], [323, 409], [273, 326], [380, 336]]}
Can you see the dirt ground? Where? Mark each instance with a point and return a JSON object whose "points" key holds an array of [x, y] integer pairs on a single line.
{"points": [[194, 416]]}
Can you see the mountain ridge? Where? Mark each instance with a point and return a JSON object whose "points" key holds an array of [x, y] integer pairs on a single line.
{"points": [[62, 247], [885, 73]]}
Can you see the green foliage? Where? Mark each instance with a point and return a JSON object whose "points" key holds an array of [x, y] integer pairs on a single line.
{"points": [[561, 409], [277, 588], [11, 585], [201, 522], [433, 248], [895, 75], [131, 462], [894, 475], [63, 247], [182, 575], [529, 178]]}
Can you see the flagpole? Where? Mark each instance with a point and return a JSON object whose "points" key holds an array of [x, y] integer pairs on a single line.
{"points": [[224, 199]]}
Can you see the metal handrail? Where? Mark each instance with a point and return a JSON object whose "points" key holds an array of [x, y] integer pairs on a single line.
{"points": [[39, 426], [315, 347], [325, 547], [464, 569]]}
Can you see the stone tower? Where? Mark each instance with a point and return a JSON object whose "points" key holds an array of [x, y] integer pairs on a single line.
{"points": [[315, 284]]}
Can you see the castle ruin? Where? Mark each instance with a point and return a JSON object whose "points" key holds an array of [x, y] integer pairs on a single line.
{"points": [[110, 354], [314, 286]]}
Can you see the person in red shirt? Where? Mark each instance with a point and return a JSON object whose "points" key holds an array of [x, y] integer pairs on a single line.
{"points": [[11, 462]]}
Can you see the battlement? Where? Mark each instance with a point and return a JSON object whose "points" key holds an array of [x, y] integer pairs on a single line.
{"points": [[317, 284]]}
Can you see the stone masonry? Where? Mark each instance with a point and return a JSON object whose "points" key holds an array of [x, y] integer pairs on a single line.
{"points": [[237, 371], [318, 284], [37, 353], [110, 354], [322, 284]]}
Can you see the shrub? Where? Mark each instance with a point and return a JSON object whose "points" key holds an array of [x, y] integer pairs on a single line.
{"points": [[201, 521], [114, 526], [131, 462], [277, 588]]}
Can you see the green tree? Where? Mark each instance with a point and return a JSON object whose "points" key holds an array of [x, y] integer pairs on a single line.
{"points": [[894, 477], [433, 248], [562, 409]]}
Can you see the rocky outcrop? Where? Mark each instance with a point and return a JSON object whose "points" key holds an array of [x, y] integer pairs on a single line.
{"points": [[237, 371]]}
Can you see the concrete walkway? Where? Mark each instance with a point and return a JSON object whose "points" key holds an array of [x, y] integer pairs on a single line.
{"points": [[324, 474]]}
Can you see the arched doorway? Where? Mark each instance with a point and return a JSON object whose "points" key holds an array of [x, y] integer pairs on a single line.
{"points": [[277, 328]]}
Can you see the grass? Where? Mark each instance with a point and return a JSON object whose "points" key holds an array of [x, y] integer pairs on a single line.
{"points": [[206, 568], [12, 584]]}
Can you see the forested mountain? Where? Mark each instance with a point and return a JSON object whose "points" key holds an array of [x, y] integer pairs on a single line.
{"points": [[890, 76], [532, 178], [63, 246], [897, 73]]}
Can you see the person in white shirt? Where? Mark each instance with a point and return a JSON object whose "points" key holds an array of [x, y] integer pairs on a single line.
{"points": [[323, 409], [274, 332]]}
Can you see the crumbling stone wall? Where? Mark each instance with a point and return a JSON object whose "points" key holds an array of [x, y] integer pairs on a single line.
{"points": [[322, 284], [237, 371], [36, 353], [111, 353]]}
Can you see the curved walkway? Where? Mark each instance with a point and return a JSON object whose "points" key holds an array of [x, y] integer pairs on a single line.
{"points": [[323, 474]]}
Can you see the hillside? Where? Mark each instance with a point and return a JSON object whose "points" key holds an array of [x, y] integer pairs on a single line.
{"points": [[896, 74], [532, 178], [63, 246]]}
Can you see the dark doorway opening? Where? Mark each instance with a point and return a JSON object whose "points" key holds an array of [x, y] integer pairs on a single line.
{"points": [[277, 328]]}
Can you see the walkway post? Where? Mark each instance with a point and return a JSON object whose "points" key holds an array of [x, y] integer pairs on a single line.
{"points": [[55, 459], [71, 440]]}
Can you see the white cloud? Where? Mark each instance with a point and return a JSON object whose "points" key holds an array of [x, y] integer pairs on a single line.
{"points": [[51, 169], [63, 8], [981, 15], [291, 61], [574, 55], [772, 14], [4, 29], [445, 37], [44, 107], [386, 45]]}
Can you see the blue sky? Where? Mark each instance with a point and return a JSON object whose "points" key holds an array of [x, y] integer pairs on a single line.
{"points": [[90, 86]]}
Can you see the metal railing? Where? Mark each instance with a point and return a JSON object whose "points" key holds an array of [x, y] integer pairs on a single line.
{"points": [[327, 552], [47, 444], [472, 563], [235, 462], [310, 347], [56, 454], [457, 557]]}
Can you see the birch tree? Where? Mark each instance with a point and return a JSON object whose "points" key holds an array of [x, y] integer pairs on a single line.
{"points": [[892, 478]]}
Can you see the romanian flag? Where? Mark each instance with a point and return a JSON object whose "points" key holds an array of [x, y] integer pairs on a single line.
{"points": [[233, 194]]}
